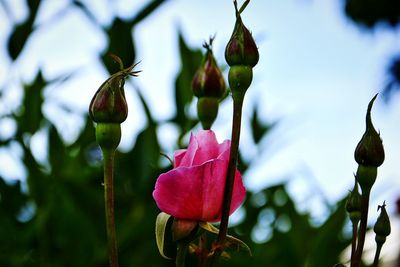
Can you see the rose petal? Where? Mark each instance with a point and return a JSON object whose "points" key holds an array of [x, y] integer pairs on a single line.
{"points": [[208, 147], [187, 159], [224, 150], [196, 193], [178, 155]]}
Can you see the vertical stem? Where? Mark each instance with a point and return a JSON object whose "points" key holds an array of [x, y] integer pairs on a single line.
{"points": [[363, 228], [233, 159], [203, 254], [181, 254], [354, 239], [377, 253], [108, 155]]}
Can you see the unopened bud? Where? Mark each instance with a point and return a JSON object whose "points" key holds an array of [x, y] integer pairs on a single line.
{"points": [[353, 204], [382, 225], [241, 48], [183, 229], [108, 104], [208, 80], [369, 151]]}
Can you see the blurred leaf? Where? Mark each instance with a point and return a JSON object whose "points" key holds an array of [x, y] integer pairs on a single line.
{"points": [[258, 129], [329, 235], [30, 117], [21, 32], [190, 61], [369, 12], [120, 43], [147, 10]]}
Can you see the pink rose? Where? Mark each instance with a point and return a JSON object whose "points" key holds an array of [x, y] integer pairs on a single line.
{"points": [[194, 188]]}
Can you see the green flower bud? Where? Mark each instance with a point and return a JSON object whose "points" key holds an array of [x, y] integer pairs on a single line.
{"points": [[382, 225], [353, 204], [241, 48], [207, 110], [366, 176], [369, 151], [208, 80], [108, 104], [240, 77]]}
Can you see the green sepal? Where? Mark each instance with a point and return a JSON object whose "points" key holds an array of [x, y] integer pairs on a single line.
{"points": [[163, 222], [231, 241]]}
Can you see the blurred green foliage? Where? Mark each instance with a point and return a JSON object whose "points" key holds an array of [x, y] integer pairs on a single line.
{"points": [[57, 217]]}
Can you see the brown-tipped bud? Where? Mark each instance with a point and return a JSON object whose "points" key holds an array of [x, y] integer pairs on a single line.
{"points": [[108, 104], [207, 111], [208, 80], [382, 225], [241, 48], [353, 204], [183, 229], [369, 151]]}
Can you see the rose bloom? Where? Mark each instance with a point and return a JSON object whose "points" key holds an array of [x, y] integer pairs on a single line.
{"points": [[194, 188]]}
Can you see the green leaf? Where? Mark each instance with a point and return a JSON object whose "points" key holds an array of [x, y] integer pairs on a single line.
{"points": [[162, 221], [30, 116]]}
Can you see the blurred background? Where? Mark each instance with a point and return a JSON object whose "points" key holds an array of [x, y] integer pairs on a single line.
{"points": [[320, 64]]}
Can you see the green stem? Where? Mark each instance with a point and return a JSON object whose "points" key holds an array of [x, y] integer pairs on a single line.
{"points": [[181, 254], [354, 239], [108, 155], [363, 229], [377, 253], [233, 159]]}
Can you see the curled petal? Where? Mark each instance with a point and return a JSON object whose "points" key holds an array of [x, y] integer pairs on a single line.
{"points": [[196, 193]]}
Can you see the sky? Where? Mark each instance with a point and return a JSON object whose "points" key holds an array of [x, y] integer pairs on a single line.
{"points": [[316, 75]]}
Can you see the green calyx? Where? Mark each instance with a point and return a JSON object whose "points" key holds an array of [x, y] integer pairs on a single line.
{"points": [[366, 176], [369, 151], [240, 78], [241, 48], [108, 135], [109, 104], [382, 226], [207, 111]]}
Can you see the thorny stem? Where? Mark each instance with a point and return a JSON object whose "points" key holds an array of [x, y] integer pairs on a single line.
{"points": [[363, 228], [377, 253], [108, 156], [203, 254], [233, 159]]}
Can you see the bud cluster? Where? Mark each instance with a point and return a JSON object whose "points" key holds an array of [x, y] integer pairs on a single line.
{"points": [[241, 54], [208, 85]]}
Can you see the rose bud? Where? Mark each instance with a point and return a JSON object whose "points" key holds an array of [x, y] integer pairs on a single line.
{"points": [[208, 80], [241, 48], [382, 225], [108, 104], [353, 204], [369, 151]]}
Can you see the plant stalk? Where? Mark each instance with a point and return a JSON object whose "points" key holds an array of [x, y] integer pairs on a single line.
{"points": [[377, 253], [356, 260], [354, 239], [108, 155], [181, 254], [230, 178]]}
